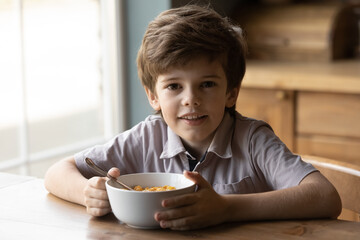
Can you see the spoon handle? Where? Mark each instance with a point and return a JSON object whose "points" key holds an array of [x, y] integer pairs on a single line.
{"points": [[103, 173]]}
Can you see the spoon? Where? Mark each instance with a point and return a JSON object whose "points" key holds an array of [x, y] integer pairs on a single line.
{"points": [[103, 173]]}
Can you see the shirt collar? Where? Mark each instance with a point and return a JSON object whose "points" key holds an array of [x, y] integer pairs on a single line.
{"points": [[220, 145], [173, 146]]}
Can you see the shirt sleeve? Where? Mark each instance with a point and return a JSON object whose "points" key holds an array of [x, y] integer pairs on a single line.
{"points": [[114, 153], [130, 151], [272, 159], [126, 151]]}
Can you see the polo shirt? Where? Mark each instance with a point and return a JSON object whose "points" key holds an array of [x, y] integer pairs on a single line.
{"points": [[245, 155]]}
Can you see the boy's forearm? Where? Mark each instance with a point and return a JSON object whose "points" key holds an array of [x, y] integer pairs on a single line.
{"points": [[308, 200], [65, 181], [281, 204]]}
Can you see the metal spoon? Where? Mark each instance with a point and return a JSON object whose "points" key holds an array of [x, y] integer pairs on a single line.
{"points": [[103, 173]]}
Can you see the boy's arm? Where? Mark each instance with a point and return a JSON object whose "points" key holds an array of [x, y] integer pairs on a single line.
{"points": [[314, 197], [64, 180]]}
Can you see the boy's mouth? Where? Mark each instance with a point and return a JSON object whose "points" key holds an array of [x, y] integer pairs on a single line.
{"points": [[192, 117]]}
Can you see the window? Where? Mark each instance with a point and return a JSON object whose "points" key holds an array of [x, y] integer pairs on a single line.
{"points": [[60, 85]]}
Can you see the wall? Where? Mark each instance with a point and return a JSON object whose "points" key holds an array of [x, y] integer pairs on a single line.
{"points": [[222, 7], [138, 14]]}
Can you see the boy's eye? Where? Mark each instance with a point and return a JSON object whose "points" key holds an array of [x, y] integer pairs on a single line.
{"points": [[173, 86], [208, 84]]}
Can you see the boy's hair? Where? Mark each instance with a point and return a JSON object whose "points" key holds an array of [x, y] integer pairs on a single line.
{"points": [[179, 35]]}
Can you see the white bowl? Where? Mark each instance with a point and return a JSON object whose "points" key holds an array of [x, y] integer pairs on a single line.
{"points": [[136, 208]]}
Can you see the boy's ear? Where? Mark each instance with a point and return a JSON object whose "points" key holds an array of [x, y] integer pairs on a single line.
{"points": [[153, 100], [232, 97]]}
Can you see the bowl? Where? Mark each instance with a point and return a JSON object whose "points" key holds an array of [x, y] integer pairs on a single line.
{"points": [[137, 208]]}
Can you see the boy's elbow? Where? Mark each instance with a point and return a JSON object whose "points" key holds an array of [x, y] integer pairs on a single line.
{"points": [[336, 204], [328, 199], [47, 181], [333, 202]]}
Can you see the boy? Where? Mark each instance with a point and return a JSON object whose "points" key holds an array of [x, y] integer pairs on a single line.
{"points": [[191, 63]]}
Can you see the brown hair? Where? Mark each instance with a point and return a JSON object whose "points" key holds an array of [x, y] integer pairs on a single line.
{"points": [[178, 35]]}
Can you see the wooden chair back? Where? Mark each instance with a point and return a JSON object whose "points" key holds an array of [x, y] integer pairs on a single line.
{"points": [[346, 179]]}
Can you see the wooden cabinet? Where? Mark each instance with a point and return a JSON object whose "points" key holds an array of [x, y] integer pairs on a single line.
{"points": [[313, 108], [328, 124], [298, 80], [320, 31]]}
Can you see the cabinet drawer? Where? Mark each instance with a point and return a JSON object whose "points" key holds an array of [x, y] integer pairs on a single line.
{"points": [[328, 114], [343, 149]]}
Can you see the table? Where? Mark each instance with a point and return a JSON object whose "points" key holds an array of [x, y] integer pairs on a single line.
{"points": [[28, 211]]}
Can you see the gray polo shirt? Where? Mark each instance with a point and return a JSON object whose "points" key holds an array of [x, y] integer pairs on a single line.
{"points": [[245, 155]]}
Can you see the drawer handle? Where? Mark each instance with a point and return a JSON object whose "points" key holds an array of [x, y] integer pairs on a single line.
{"points": [[281, 95]]}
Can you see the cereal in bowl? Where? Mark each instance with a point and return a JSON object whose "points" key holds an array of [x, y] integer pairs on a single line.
{"points": [[154, 189]]}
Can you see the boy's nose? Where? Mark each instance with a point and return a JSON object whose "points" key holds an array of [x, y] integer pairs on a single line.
{"points": [[191, 98]]}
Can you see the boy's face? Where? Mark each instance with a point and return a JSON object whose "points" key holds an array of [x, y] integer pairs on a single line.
{"points": [[192, 99]]}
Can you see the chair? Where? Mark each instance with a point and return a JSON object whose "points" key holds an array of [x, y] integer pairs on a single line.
{"points": [[346, 179]]}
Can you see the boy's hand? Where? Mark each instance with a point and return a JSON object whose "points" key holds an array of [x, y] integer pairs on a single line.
{"points": [[96, 198], [196, 210]]}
